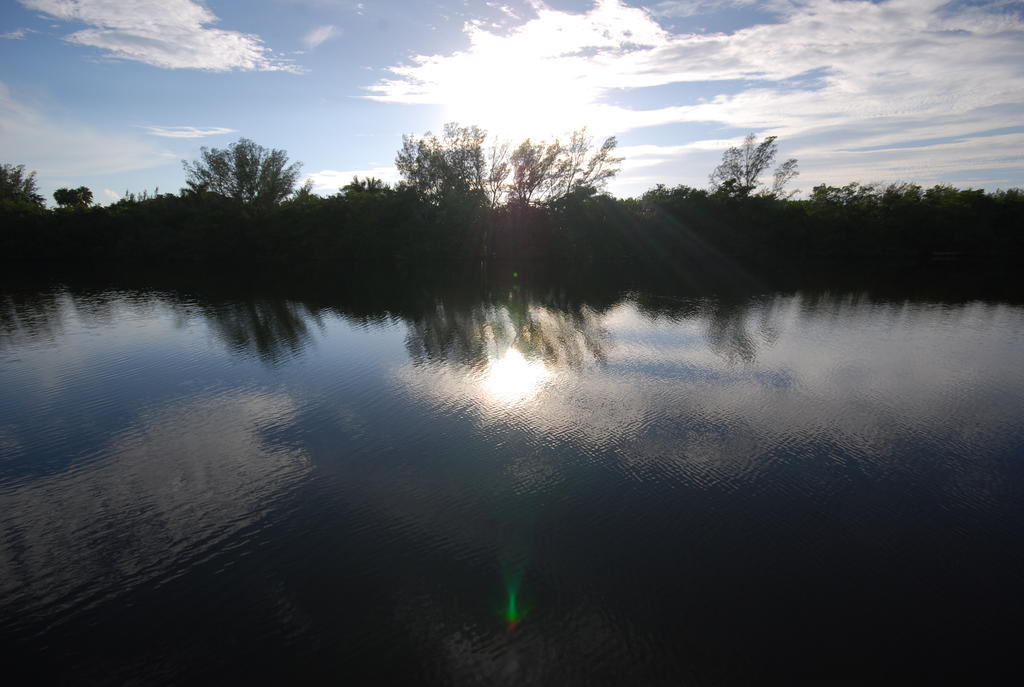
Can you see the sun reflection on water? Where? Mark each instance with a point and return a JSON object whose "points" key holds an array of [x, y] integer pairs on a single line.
{"points": [[512, 378]]}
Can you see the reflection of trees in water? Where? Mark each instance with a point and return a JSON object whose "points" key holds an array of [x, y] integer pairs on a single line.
{"points": [[272, 329], [464, 320], [38, 316], [735, 327], [467, 328], [561, 334], [28, 316], [736, 331]]}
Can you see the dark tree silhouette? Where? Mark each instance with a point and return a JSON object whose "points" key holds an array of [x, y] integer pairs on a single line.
{"points": [[742, 166], [578, 168], [16, 185], [532, 167], [463, 163], [364, 185], [442, 168], [468, 197], [77, 198], [547, 172], [244, 171]]}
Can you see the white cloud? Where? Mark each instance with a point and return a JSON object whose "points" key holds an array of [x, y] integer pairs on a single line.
{"points": [[319, 35], [826, 73], [172, 34], [188, 131], [111, 195], [330, 180], [692, 8], [15, 35]]}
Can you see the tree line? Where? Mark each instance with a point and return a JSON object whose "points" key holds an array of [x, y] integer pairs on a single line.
{"points": [[466, 196]]}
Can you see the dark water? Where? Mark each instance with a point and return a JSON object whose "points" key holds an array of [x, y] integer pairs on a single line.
{"points": [[511, 482]]}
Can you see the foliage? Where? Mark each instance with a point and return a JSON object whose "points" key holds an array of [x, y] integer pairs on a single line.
{"points": [[17, 186], [741, 168], [466, 197], [371, 185], [440, 169], [464, 164], [245, 172], [532, 170], [77, 198]]}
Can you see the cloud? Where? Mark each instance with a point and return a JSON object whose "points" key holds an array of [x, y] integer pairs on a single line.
{"points": [[58, 148], [15, 35], [330, 180], [693, 8], [172, 34], [111, 195], [876, 72], [188, 131], [319, 35]]}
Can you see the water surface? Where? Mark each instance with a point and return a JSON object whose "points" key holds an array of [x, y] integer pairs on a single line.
{"points": [[509, 483]]}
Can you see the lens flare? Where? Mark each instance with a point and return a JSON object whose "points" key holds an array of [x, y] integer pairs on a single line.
{"points": [[512, 612]]}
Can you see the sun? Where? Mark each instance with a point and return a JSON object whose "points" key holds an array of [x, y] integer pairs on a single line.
{"points": [[518, 94]]}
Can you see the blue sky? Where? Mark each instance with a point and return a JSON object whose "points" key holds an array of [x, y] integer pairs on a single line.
{"points": [[113, 94]]}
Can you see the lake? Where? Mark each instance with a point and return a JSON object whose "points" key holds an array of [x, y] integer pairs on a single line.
{"points": [[511, 479]]}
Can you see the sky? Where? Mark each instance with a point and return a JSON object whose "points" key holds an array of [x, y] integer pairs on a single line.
{"points": [[114, 94]]}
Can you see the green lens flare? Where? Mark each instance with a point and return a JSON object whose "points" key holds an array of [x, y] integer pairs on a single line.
{"points": [[511, 611], [513, 564]]}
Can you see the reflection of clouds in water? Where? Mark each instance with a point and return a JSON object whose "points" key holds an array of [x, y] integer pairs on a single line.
{"points": [[857, 376], [184, 478]]}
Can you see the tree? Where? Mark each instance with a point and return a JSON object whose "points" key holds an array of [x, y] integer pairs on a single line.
{"points": [[547, 172], [499, 164], [77, 198], [244, 171], [532, 166], [368, 185], [463, 164], [16, 185], [576, 168], [445, 168], [741, 168]]}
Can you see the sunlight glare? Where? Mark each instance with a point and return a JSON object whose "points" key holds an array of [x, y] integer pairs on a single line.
{"points": [[519, 94], [512, 378]]}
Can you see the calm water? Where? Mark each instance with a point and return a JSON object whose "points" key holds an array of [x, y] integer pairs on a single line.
{"points": [[510, 484]]}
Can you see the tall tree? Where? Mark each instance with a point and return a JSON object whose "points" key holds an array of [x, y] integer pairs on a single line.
{"points": [[15, 184], [244, 171], [451, 166], [499, 164], [742, 166], [463, 163], [532, 167], [545, 172], [579, 168]]}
